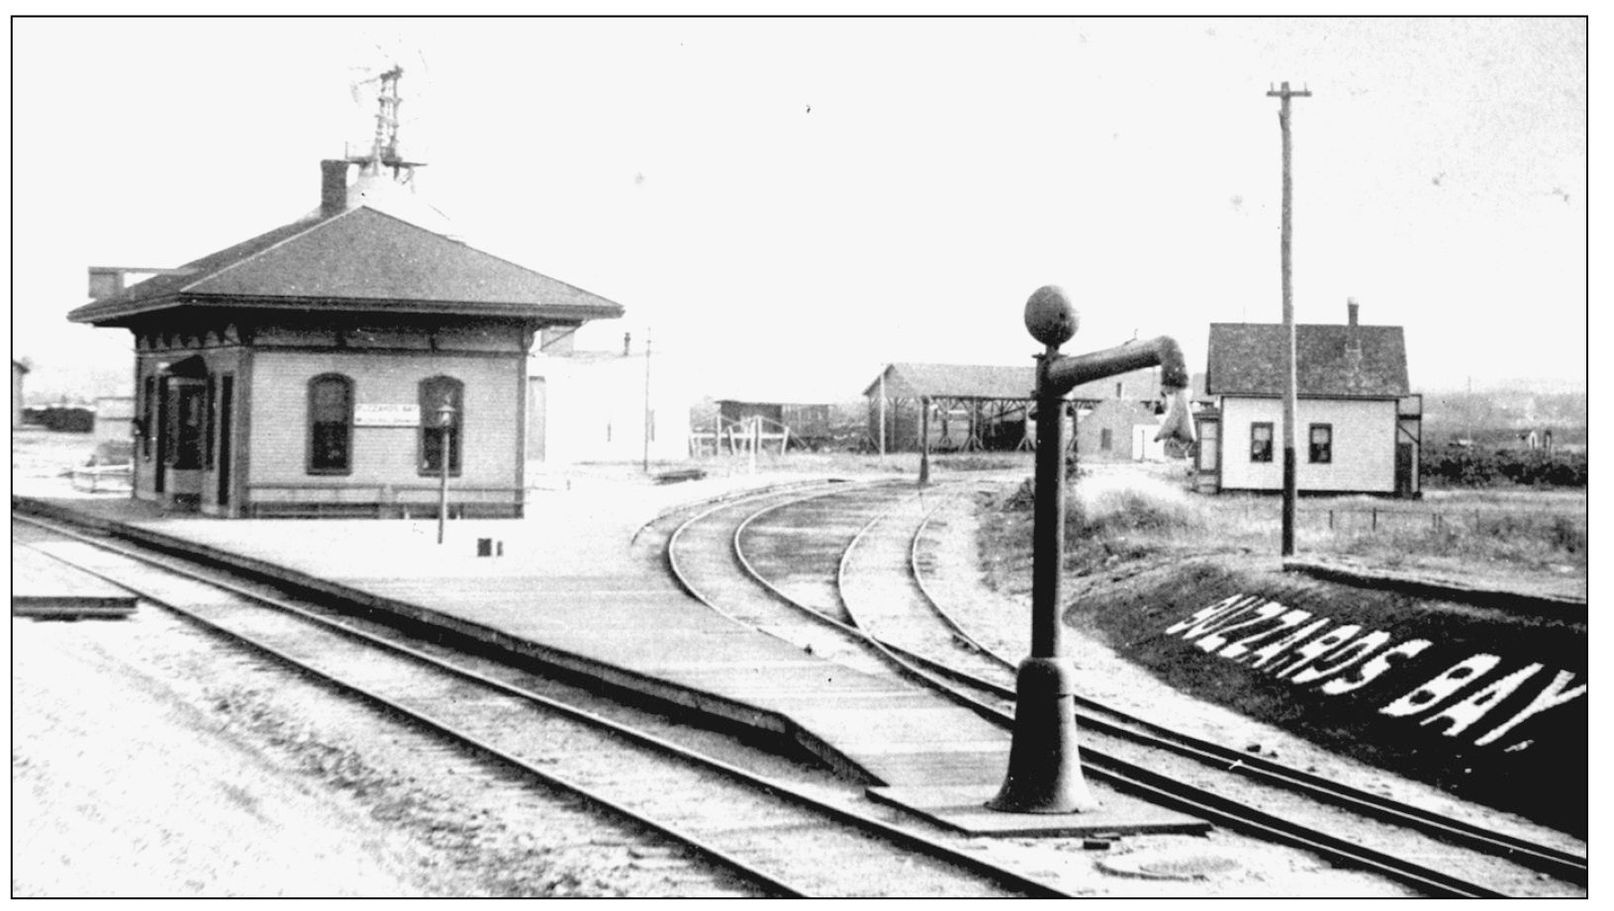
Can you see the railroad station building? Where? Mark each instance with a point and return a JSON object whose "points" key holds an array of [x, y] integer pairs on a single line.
{"points": [[331, 366]]}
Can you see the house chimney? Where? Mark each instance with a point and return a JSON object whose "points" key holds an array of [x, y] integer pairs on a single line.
{"points": [[1351, 307], [332, 187]]}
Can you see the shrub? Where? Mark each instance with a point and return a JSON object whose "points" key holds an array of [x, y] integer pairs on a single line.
{"points": [[1110, 504], [1472, 466]]}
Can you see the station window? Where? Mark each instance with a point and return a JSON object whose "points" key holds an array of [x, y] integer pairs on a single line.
{"points": [[208, 417], [1322, 442], [148, 418], [435, 434], [1261, 441], [330, 424]]}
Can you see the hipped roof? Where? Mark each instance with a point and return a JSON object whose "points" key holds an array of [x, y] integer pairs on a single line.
{"points": [[1331, 361], [356, 260]]}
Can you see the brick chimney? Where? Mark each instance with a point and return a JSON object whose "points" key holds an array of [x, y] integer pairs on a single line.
{"points": [[332, 187], [1351, 306]]}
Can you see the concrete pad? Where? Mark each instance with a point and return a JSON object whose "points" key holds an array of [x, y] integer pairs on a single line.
{"points": [[963, 809]]}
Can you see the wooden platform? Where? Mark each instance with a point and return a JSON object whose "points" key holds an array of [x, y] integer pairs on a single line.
{"points": [[47, 588], [571, 592]]}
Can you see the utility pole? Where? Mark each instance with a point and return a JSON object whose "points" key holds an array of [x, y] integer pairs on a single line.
{"points": [[882, 415], [647, 421], [1290, 409]]}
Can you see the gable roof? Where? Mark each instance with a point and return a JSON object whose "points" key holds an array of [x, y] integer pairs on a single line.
{"points": [[1331, 360], [360, 259], [957, 381]]}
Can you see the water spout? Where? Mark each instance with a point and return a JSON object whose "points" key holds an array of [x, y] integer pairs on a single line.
{"points": [[1178, 424]]}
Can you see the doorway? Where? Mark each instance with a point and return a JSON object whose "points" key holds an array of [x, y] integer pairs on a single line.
{"points": [[224, 422]]}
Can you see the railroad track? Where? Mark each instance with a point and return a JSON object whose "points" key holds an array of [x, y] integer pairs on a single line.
{"points": [[1094, 715], [879, 608], [770, 833]]}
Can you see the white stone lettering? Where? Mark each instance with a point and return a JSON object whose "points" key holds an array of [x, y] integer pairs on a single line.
{"points": [[1346, 656], [1375, 666], [1261, 656], [1462, 714], [1320, 646], [1444, 684], [1203, 621], [1553, 695], [1259, 615]]}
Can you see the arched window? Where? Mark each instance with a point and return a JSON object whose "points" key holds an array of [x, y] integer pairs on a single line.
{"points": [[330, 424], [440, 428]]}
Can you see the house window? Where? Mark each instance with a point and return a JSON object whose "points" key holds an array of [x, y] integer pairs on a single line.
{"points": [[1322, 442], [435, 436], [330, 424], [1105, 441], [1261, 442], [1117, 390]]}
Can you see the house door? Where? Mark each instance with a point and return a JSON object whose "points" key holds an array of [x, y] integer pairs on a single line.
{"points": [[1210, 447], [1403, 469]]}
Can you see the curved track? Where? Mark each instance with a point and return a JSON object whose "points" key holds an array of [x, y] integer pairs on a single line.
{"points": [[1094, 715], [847, 563], [782, 839]]}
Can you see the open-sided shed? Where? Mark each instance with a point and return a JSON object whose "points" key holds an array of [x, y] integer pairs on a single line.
{"points": [[972, 406]]}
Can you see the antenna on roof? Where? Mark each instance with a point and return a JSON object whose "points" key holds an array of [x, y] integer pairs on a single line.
{"points": [[384, 149]]}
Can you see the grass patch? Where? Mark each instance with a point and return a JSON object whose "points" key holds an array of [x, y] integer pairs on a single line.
{"points": [[1117, 513], [1142, 552]]}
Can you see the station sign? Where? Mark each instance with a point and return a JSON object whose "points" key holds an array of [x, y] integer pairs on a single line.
{"points": [[386, 415]]}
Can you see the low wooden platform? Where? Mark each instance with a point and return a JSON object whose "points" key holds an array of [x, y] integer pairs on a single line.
{"points": [[572, 592], [46, 588], [1427, 584]]}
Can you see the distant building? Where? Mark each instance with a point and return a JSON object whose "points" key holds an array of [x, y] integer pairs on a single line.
{"points": [[971, 406], [1118, 430], [18, 371], [1118, 417], [605, 406], [1141, 385], [1358, 430]]}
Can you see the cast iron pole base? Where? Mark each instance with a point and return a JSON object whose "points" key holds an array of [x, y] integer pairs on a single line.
{"points": [[1045, 769]]}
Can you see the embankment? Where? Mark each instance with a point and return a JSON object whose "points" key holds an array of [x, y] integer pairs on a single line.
{"points": [[1487, 703]]}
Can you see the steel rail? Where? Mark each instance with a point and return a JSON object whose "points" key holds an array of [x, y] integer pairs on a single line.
{"points": [[1199, 801], [739, 550], [732, 497], [670, 549], [1100, 717], [896, 834]]}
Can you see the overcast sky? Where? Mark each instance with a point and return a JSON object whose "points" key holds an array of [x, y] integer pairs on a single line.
{"points": [[790, 203]]}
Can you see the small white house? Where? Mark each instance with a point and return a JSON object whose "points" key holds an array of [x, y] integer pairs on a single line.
{"points": [[1358, 428], [596, 406]]}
